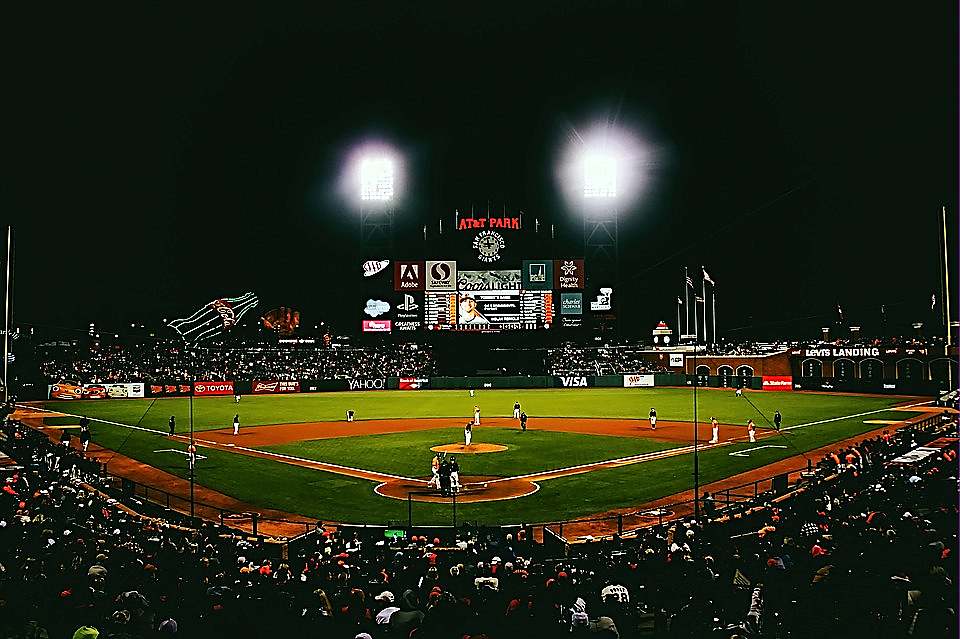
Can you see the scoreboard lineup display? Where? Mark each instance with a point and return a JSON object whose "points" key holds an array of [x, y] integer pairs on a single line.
{"points": [[487, 289]]}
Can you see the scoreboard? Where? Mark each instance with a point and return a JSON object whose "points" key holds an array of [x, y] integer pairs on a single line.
{"points": [[478, 283]]}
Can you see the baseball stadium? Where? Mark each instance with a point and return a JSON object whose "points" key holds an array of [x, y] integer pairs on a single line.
{"points": [[480, 352]]}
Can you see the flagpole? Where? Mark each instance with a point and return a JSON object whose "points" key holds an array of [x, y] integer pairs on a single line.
{"points": [[713, 296], [678, 320], [703, 284], [686, 297]]}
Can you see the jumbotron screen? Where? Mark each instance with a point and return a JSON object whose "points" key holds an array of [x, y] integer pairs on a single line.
{"points": [[437, 296]]}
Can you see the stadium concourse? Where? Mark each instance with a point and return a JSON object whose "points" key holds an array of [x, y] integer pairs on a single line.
{"points": [[867, 549]]}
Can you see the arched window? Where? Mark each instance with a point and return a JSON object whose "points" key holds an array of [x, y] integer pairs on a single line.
{"points": [[943, 370], [726, 375], [811, 368], [871, 370], [843, 369], [910, 370]]}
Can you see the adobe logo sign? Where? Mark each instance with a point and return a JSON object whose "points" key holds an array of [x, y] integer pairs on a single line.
{"points": [[213, 388]]}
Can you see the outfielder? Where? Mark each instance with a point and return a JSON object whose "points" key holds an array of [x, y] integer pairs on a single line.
{"points": [[516, 410], [653, 418], [468, 433], [476, 415], [715, 430]]}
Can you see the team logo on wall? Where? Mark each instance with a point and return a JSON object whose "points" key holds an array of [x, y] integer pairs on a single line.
{"points": [[376, 308], [408, 276], [373, 267], [488, 245], [442, 276]]}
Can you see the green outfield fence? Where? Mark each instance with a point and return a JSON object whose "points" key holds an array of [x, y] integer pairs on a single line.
{"points": [[728, 501]]}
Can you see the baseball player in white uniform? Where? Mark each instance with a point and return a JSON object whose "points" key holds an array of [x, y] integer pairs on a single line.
{"points": [[476, 415], [468, 434], [435, 469]]}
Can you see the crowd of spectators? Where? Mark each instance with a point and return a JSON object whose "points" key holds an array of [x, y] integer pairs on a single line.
{"points": [[573, 359], [164, 361], [868, 549]]}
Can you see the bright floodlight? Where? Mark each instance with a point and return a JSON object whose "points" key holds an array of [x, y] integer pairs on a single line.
{"points": [[599, 176], [376, 179]]}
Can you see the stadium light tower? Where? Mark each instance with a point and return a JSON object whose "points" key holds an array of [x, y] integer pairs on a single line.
{"points": [[372, 186], [376, 179]]}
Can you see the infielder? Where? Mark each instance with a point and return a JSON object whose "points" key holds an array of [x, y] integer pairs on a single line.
{"points": [[715, 430], [468, 434], [236, 424], [653, 418], [516, 410], [476, 415], [752, 431]]}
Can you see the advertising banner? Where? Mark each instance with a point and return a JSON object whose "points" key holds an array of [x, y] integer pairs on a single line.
{"points": [[638, 381], [441, 275], [408, 276], [571, 381], [778, 382], [379, 383], [537, 275], [213, 388], [180, 389], [266, 387], [568, 275], [414, 383], [571, 303], [377, 326], [66, 390]]}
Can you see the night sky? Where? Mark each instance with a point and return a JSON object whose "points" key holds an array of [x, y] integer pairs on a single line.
{"points": [[158, 157]]}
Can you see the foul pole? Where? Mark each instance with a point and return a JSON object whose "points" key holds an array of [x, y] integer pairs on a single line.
{"points": [[7, 316]]}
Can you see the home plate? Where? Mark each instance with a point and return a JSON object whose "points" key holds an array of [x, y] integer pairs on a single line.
{"points": [[885, 422]]}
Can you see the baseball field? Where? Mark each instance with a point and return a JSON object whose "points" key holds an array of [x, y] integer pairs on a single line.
{"points": [[585, 451]]}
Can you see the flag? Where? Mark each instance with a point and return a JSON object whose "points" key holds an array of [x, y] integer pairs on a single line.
{"points": [[933, 301], [706, 276], [689, 281], [214, 318], [740, 580], [679, 301]]}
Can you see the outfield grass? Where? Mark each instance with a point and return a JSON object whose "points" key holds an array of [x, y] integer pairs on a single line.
{"points": [[322, 495], [671, 404]]}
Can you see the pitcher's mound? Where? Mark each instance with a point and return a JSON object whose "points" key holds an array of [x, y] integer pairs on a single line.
{"points": [[468, 450]]}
